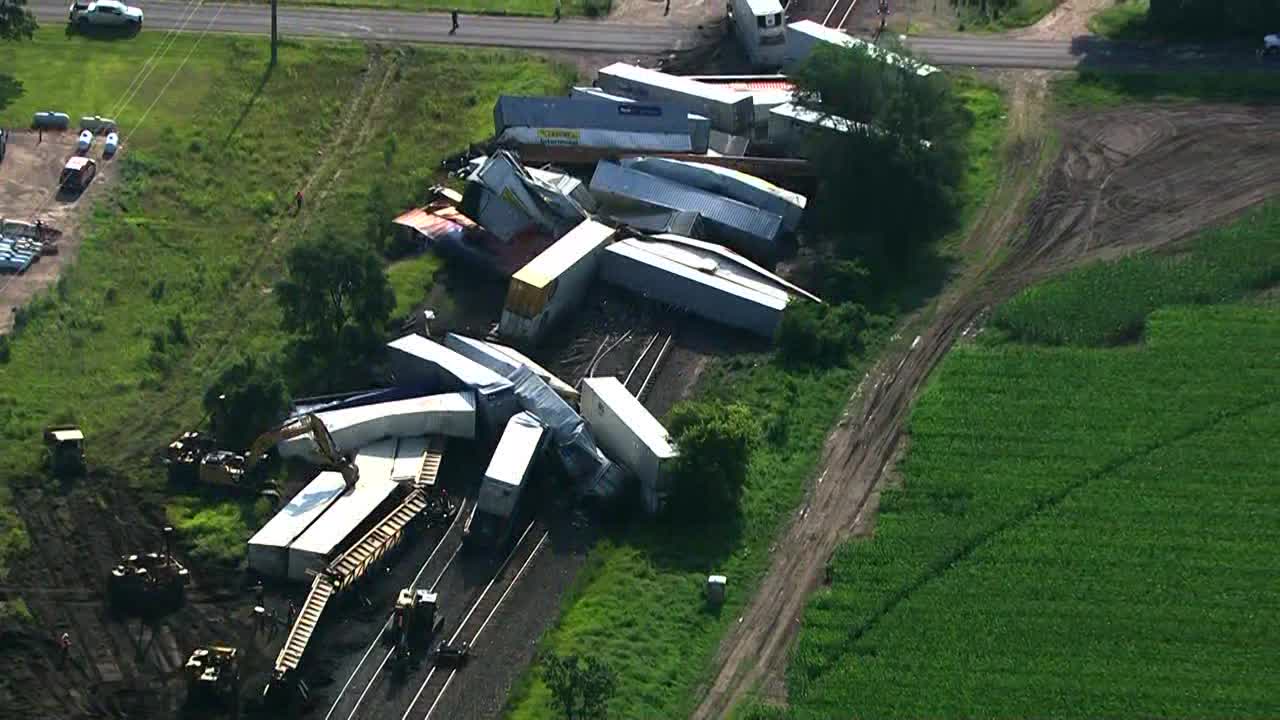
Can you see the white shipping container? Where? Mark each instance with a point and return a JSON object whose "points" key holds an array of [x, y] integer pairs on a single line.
{"points": [[376, 461], [269, 547], [504, 480], [410, 453], [504, 360], [729, 110], [416, 360], [327, 537], [630, 434], [553, 284], [449, 414], [806, 35]]}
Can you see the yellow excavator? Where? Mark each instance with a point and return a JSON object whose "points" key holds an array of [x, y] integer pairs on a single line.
{"points": [[310, 424]]}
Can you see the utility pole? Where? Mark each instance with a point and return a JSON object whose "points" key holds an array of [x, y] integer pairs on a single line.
{"points": [[275, 37]]}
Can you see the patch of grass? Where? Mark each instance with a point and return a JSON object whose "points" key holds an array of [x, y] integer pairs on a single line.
{"points": [[16, 611], [411, 279], [216, 531], [195, 230], [1083, 532], [1108, 303], [1092, 89], [1022, 14], [1125, 20], [640, 604], [986, 137], [532, 8]]}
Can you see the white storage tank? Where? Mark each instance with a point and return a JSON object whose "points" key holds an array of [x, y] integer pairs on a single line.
{"points": [[553, 284], [269, 547], [631, 435]]}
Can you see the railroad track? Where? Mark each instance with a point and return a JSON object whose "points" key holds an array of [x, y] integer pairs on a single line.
{"points": [[839, 13], [447, 548], [476, 620], [641, 375]]}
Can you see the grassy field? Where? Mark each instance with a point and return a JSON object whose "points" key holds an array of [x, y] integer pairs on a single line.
{"points": [[638, 605], [1125, 20], [195, 231], [532, 8], [1022, 14], [1091, 88], [1083, 531], [411, 279]]}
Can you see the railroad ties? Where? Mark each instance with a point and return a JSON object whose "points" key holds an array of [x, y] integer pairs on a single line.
{"points": [[351, 565]]}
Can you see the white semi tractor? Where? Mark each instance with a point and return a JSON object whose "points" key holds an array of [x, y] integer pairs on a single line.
{"points": [[761, 28]]}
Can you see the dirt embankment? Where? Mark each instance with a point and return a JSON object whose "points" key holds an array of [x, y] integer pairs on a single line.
{"points": [[1124, 180]]}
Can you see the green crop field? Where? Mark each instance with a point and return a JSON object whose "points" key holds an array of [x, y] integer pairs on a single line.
{"points": [[1084, 530], [638, 605], [194, 231]]}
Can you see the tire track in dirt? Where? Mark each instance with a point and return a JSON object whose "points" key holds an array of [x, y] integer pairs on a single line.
{"points": [[1124, 180]]}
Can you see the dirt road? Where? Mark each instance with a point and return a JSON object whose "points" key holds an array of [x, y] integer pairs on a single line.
{"points": [[1124, 180], [28, 178]]}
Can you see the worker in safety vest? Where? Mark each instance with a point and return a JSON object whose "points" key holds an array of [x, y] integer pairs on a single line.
{"points": [[64, 646]]}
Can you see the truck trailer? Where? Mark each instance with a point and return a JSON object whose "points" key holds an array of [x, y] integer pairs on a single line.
{"points": [[504, 484]]}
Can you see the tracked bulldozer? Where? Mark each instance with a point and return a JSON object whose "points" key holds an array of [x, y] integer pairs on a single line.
{"points": [[64, 450], [148, 582], [213, 676]]}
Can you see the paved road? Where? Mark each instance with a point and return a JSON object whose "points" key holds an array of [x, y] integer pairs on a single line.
{"points": [[588, 35]]}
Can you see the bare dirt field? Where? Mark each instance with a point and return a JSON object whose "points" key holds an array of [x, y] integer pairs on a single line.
{"points": [[1124, 180], [28, 179]]}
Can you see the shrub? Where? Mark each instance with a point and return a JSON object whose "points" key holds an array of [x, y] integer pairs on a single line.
{"points": [[813, 334], [715, 441]]}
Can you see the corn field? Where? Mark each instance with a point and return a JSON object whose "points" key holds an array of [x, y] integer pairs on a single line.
{"points": [[1081, 532]]}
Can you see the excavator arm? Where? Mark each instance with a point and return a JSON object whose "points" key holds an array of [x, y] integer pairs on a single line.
{"points": [[312, 425]]}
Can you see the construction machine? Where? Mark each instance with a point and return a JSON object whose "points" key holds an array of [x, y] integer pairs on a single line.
{"points": [[64, 450], [414, 621], [332, 458], [148, 582], [213, 675], [193, 458], [453, 655]]}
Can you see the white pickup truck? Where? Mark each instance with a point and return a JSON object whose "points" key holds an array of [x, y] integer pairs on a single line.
{"points": [[105, 13]]}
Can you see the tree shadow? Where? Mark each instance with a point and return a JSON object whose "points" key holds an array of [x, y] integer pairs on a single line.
{"points": [[11, 89], [248, 108], [102, 34]]}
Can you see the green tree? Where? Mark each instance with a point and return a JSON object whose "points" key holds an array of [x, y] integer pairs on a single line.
{"points": [[581, 687], [247, 398], [336, 300], [16, 21], [715, 441], [890, 181], [813, 334]]}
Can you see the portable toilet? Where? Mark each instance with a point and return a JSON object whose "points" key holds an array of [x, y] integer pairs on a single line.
{"points": [[715, 589]]}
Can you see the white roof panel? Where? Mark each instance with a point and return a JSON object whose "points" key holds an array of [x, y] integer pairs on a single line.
{"points": [[297, 515], [467, 372], [409, 455], [451, 414], [839, 37], [564, 253], [516, 450], [765, 7], [686, 86], [633, 414], [377, 460], [647, 253], [344, 515]]}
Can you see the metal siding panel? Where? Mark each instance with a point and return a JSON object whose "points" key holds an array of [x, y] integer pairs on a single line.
{"points": [[670, 283], [575, 112], [727, 109], [727, 182], [751, 229]]}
